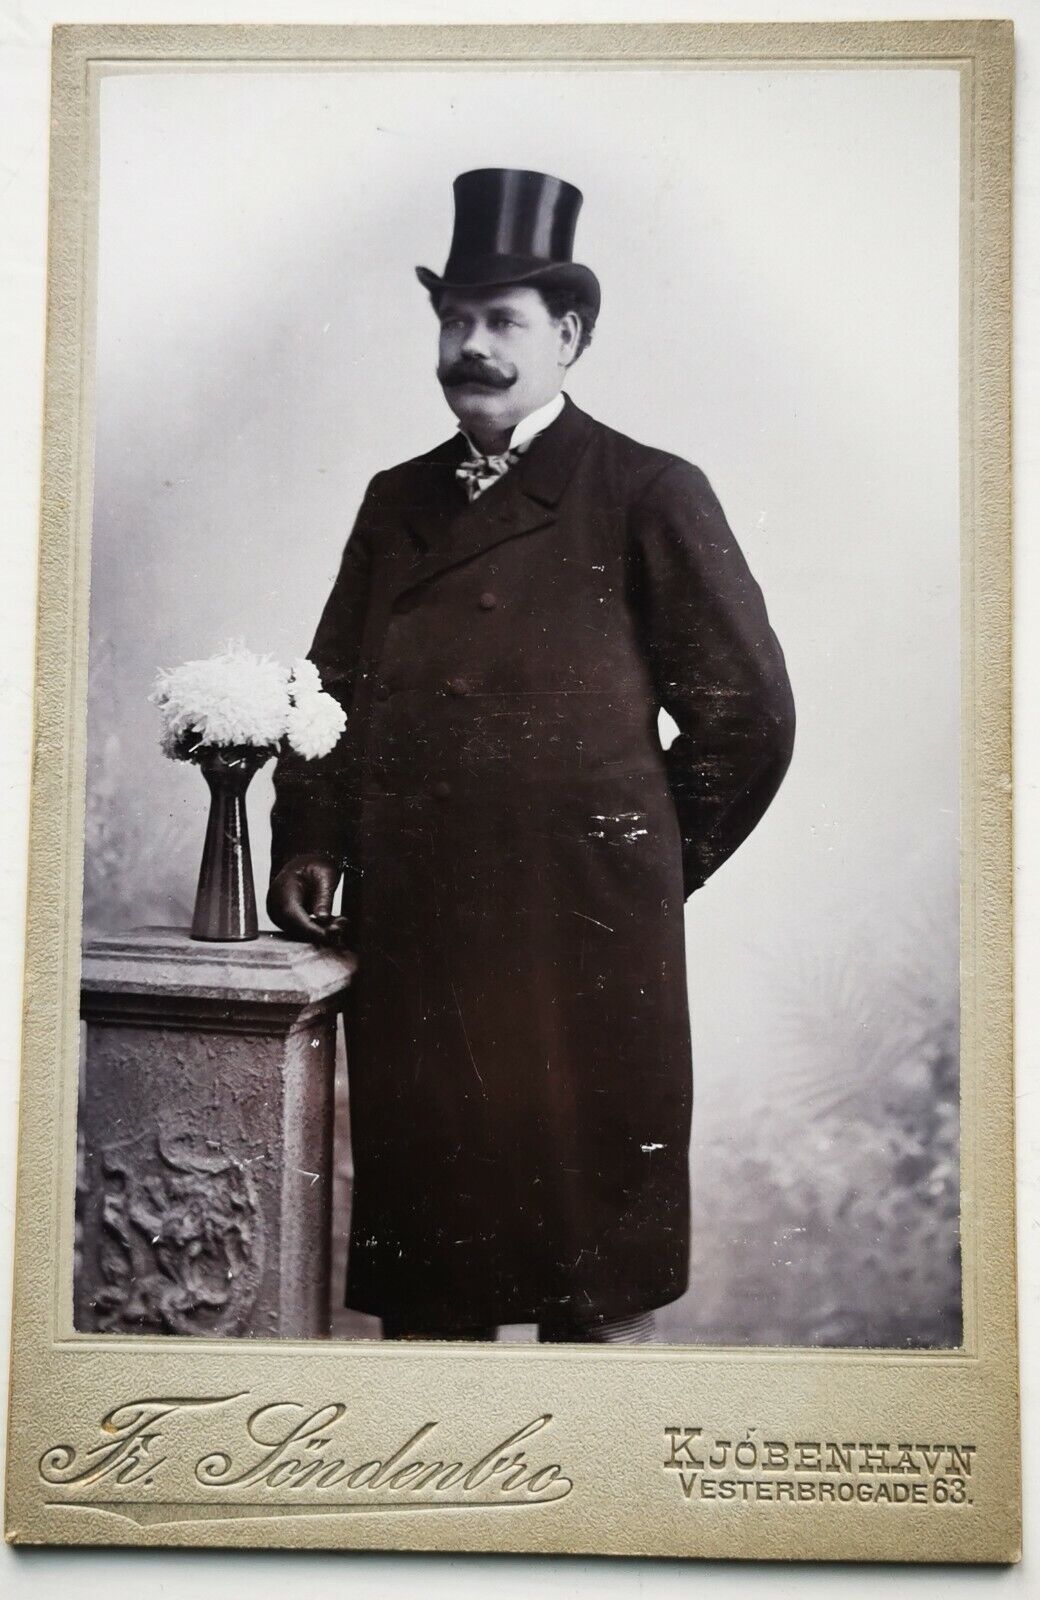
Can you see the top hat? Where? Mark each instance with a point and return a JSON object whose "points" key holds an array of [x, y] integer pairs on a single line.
{"points": [[513, 227]]}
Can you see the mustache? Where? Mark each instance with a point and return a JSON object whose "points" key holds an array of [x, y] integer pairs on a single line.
{"points": [[452, 374]]}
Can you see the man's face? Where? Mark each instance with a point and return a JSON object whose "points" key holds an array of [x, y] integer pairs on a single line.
{"points": [[501, 356]]}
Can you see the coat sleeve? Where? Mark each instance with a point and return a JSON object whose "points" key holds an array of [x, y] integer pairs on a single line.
{"points": [[717, 667], [316, 802]]}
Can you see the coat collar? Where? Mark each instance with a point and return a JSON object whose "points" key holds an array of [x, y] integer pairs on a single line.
{"points": [[544, 471], [448, 529]]}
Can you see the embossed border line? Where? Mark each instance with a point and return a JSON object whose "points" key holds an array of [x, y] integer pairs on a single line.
{"points": [[147, 1513]]}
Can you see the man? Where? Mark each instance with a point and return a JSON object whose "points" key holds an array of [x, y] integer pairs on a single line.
{"points": [[512, 611]]}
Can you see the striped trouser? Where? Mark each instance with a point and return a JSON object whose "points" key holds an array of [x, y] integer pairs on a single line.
{"points": [[635, 1329], [638, 1328]]}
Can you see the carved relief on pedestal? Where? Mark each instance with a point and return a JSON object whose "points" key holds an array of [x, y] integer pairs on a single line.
{"points": [[181, 1246]]}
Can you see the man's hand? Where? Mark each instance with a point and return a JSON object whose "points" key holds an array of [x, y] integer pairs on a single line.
{"points": [[299, 900]]}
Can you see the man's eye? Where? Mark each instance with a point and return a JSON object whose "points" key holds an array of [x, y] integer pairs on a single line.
{"points": [[503, 322], [451, 322]]}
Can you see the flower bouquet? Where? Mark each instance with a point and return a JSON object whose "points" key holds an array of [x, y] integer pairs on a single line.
{"points": [[229, 714]]}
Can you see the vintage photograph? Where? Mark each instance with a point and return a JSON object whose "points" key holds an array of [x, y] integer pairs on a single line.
{"points": [[517, 1031], [522, 818]]}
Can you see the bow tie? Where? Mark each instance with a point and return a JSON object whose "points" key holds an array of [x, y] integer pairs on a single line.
{"points": [[479, 472]]}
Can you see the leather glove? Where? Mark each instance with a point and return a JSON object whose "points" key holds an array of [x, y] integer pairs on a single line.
{"points": [[299, 900]]}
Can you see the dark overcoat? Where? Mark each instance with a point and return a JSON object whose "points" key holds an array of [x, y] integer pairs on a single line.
{"points": [[517, 848]]}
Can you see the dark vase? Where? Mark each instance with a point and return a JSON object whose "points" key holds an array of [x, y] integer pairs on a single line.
{"points": [[225, 902]]}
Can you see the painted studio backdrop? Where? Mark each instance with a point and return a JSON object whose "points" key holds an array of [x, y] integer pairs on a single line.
{"points": [[778, 252]]}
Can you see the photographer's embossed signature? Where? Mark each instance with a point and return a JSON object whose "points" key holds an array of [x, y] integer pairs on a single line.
{"points": [[284, 1459]]}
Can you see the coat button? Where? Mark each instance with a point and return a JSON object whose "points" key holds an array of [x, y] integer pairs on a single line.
{"points": [[488, 601], [442, 790], [382, 693], [458, 686]]}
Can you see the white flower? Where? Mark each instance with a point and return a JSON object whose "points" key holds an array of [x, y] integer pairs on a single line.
{"points": [[234, 698], [314, 724], [305, 678], [238, 698]]}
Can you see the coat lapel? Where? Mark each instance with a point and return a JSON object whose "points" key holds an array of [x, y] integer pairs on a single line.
{"points": [[449, 530]]}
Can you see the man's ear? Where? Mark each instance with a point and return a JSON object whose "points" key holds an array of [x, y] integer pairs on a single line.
{"points": [[570, 334]]}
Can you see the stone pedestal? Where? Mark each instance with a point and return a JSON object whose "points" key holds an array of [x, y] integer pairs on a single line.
{"points": [[206, 1117]]}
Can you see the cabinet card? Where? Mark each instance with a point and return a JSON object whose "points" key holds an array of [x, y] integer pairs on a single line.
{"points": [[528, 510]]}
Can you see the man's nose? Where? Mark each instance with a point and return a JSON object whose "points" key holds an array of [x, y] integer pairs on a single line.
{"points": [[475, 342]]}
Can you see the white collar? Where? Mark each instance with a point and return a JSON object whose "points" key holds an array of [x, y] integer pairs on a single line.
{"points": [[527, 427]]}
